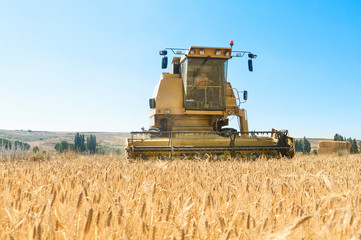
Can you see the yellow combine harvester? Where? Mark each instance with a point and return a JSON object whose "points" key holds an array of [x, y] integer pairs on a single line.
{"points": [[190, 107]]}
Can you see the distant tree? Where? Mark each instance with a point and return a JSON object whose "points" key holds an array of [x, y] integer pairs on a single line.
{"points": [[57, 147], [91, 142], [4, 143], [22, 146], [79, 142], [63, 146], [36, 149], [338, 137], [299, 145], [303, 145], [354, 148], [7, 144], [82, 145], [314, 151], [306, 146], [359, 146]]}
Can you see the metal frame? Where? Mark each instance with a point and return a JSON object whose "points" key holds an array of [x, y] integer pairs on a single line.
{"points": [[241, 53], [231, 149], [176, 49], [285, 132]]}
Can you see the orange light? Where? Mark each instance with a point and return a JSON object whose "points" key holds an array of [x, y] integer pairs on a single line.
{"points": [[231, 43]]}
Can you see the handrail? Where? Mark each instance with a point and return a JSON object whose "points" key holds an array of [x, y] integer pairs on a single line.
{"points": [[285, 132], [237, 98]]}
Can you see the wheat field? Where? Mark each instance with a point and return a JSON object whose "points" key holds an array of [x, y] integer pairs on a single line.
{"points": [[108, 197]]}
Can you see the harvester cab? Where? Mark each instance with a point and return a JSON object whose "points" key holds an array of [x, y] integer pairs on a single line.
{"points": [[190, 107]]}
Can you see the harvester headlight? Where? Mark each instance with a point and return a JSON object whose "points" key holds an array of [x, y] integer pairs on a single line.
{"points": [[229, 112], [218, 52], [179, 52], [201, 52], [227, 53], [192, 52], [238, 55], [167, 111]]}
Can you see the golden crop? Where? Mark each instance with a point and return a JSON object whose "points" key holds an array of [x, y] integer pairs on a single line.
{"points": [[107, 197]]}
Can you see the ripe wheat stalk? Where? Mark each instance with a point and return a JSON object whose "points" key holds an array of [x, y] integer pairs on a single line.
{"points": [[102, 197]]}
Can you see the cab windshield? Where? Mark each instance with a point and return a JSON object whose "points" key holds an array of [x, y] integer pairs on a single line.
{"points": [[204, 82]]}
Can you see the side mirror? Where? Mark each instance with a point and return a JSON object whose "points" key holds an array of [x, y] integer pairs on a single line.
{"points": [[152, 103], [245, 95], [164, 62], [250, 65]]}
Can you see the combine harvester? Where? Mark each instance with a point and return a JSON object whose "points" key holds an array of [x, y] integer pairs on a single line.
{"points": [[190, 107]]}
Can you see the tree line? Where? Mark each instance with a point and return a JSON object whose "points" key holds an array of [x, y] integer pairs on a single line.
{"points": [[79, 145], [17, 145], [304, 145], [354, 147]]}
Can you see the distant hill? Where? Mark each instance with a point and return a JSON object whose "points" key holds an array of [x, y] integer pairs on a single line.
{"points": [[47, 140]]}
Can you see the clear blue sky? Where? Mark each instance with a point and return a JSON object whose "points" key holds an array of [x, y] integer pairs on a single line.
{"points": [[92, 65]]}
